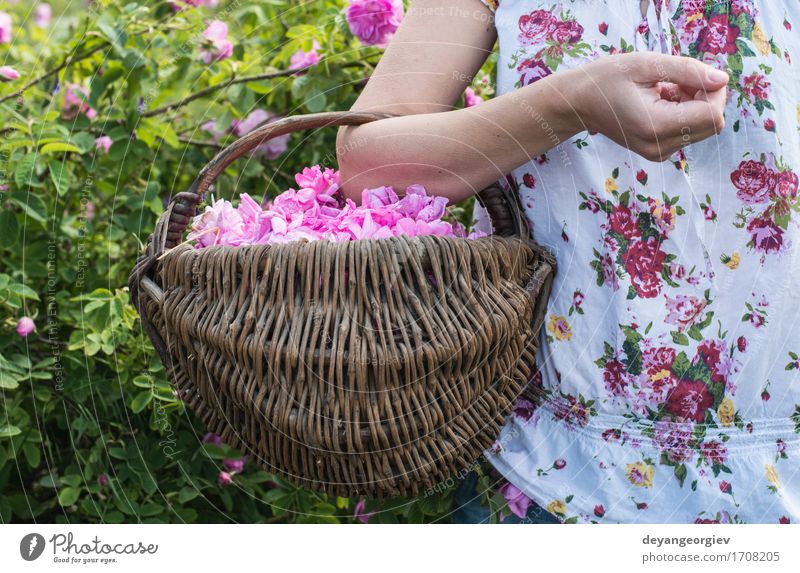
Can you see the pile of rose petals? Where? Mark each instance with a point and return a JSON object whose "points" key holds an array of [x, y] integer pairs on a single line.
{"points": [[317, 211]]}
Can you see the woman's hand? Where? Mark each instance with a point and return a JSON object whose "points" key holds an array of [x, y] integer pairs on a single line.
{"points": [[653, 104]]}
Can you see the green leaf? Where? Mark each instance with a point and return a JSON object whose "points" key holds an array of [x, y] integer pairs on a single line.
{"points": [[24, 170], [680, 338], [84, 141], [58, 147], [23, 290], [315, 100], [68, 496], [60, 176], [114, 517], [73, 480], [9, 228], [187, 494], [680, 473], [9, 431], [8, 382], [141, 401], [33, 454], [150, 509], [33, 205]]}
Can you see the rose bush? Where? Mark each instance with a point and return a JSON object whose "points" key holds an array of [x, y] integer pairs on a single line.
{"points": [[109, 108]]}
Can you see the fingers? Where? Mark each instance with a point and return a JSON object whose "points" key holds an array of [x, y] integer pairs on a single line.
{"points": [[676, 124], [674, 93], [701, 115], [688, 73]]}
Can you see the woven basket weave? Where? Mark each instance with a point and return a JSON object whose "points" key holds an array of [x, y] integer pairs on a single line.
{"points": [[365, 368]]}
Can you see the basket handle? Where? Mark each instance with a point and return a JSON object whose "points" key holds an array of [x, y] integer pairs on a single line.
{"points": [[504, 215], [501, 203]]}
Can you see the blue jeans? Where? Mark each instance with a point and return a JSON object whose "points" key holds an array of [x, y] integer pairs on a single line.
{"points": [[468, 508]]}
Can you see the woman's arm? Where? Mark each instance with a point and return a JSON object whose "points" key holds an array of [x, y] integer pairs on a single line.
{"points": [[455, 153]]}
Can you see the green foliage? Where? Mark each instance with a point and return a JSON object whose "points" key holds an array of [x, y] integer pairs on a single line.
{"points": [[90, 428]]}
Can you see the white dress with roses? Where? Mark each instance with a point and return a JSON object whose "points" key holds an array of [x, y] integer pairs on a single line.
{"points": [[667, 387]]}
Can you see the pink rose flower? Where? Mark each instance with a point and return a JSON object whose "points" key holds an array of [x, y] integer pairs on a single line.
{"points": [[360, 514], [689, 401], [517, 501], [234, 466], [7, 74], [674, 440], [25, 326], [317, 211], [471, 98], [103, 143], [684, 310], [786, 185], [535, 27], [89, 210], [216, 46], [624, 222], [211, 128], [643, 261], [714, 452], [767, 237], [755, 86], [616, 378], [75, 97], [374, 22], [301, 59], [211, 438], [43, 15], [532, 70], [719, 37], [693, 6], [5, 28], [224, 479], [567, 32]]}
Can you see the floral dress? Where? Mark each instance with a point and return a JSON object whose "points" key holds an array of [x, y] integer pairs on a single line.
{"points": [[667, 388]]}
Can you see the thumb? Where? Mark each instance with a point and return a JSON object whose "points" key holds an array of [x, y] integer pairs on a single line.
{"points": [[686, 72]]}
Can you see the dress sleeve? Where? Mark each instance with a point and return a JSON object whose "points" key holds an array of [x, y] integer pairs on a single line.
{"points": [[491, 4]]}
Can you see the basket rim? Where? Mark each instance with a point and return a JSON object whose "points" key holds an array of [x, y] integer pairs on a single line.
{"points": [[335, 246]]}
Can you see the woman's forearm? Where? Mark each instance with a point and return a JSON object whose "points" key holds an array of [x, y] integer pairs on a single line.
{"points": [[457, 153]]}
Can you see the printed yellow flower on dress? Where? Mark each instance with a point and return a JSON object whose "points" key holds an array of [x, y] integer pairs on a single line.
{"points": [[732, 261], [559, 327], [557, 507], [660, 375], [760, 40], [611, 185], [640, 474], [772, 475], [726, 412]]}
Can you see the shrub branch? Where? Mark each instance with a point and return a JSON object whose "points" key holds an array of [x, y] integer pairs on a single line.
{"points": [[69, 59], [216, 87]]}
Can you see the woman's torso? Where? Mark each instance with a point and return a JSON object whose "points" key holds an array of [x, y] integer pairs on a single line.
{"points": [[669, 354]]}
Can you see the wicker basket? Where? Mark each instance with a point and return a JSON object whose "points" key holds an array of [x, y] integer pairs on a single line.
{"points": [[366, 368]]}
